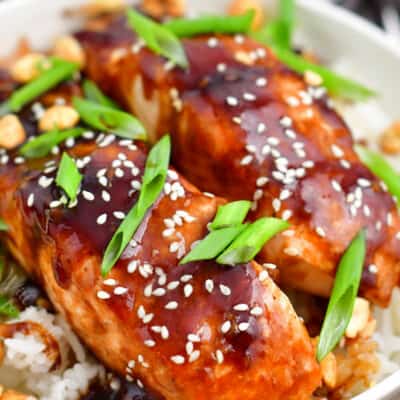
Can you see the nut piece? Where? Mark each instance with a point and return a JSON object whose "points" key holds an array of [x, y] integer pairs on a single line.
{"points": [[312, 78], [27, 68], [390, 140], [359, 319], [329, 370], [68, 48], [238, 7], [58, 117], [12, 133], [161, 8]]}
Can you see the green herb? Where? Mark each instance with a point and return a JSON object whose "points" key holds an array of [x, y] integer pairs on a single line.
{"points": [[7, 308], [279, 32], [153, 182], [109, 119], [249, 243], [336, 84], [344, 293], [94, 94], [158, 38], [213, 244], [231, 214], [3, 226], [381, 168], [68, 176], [57, 73], [184, 27], [41, 145]]}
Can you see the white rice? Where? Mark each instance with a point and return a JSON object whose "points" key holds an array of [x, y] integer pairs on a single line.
{"points": [[27, 368]]}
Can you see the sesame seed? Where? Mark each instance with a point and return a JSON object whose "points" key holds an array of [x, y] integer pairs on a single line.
{"points": [[101, 294], [243, 326], [241, 307], [149, 343], [188, 290], [120, 290], [110, 282], [172, 305], [174, 247], [364, 183], [159, 292], [257, 311], [373, 268], [194, 356], [232, 101], [186, 278], [336, 185], [209, 285], [291, 251], [286, 122], [219, 356], [337, 151], [102, 219], [287, 214], [270, 266], [30, 200], [131, 364], [193, 338], [285, 194], [221, 67], [173, 285], [103, 181], [164, 333], [88, 195], [276, 205], [179, 360], [246, 160], [320, 231], [168, 232], [266, 149], [249, 97], [261, 128], [237, 120], [212, 42], [225, 290], [262, 181], [45, 182], [261, 82], [132, 266], [225, 327], [263, 276], [147, 318], [119, 214], [273, 141], [189, 348], [293, 101]]}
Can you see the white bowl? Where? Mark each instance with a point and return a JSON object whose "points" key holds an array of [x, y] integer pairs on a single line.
{"points": [[333, 32]]}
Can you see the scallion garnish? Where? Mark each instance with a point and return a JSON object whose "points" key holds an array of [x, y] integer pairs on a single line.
{"points": [[94, 94], [231, 214], [381, 168], [109, 119], [158, 38], [344, 293], [59, 71], [7, 308], [213, 244], [68, 176], [184, 27], [3, 226], [154, 177], [249, 243], [41, 145]]}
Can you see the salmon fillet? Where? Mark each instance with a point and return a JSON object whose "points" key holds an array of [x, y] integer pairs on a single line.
{"points": [[244, 126], [186, 332]]}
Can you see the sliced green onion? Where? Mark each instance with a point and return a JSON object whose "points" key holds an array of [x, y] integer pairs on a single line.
{"points": [[344, 293], [68, 176], [3, 226], [109, 120], [59, 71], [158, 38], [41, 145], [7, 308], [184, 27], [213, 244], [94, 94], [153, 182], [249, 243], [381, 168], [231, 214]]}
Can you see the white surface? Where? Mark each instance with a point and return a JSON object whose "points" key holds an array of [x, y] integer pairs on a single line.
{"points": [[334, 33]]}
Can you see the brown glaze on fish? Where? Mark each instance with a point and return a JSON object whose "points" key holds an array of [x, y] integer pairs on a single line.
{"points": [[246, 127], [190, 332]]}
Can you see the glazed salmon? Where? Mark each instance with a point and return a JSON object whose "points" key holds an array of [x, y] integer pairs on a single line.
{"points": [[244, 126], [191, 332]]}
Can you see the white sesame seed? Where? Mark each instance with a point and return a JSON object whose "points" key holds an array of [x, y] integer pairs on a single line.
{"points": [[291, 251], [120, 290], [261, 128], [194, 356], [164, 332], [131, 364], [266, 149], [119, 173], [30, 200], [336, 185], [168, 232], [276, 205], [261, 82], [45, 182], [172, 305], [193, 338], [119, 214], [286, 215], [232, 101], [88, 195], [364, 183], [149, 343], [103, 181], [101, 294], [373, 268], [212, 42], [246, 160], [257, 311], [337, 151], [243, 326], [219, 356], [159, 292], [285, 194], [258, 194], [225, 327], [147, 318], [262, 181], [270, 266], [241, 307], [189, 348], [249, 97], [186, 278], [221, 67], [286, 122], [110, 282], [225, 290], [209, 285], [179, 360], [102, 219], [188, 290], [174, 247], [148, 290], [263, 276], [132, 266]]}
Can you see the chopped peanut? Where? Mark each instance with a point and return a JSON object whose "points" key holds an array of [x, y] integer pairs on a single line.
{"points": [[58, 117], [329, 370], [68, 48], [238, 7], [390, 140], [12, 133], [28, 67], [312, 78], [359, 319], [162, 8]]}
